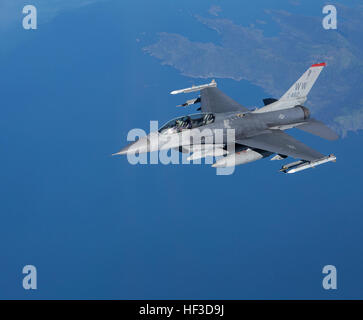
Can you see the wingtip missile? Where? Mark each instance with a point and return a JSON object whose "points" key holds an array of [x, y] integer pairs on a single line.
{"points": [[213, 83], [303, 165]]}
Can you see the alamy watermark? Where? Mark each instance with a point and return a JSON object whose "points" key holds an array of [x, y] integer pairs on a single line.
{"points": [[330, 280], [30, 280], [330, 20], [30, 20], [181, 147]]}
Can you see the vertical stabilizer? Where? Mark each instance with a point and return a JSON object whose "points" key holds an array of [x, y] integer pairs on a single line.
{"points": [[300, 89], [298, 92]]}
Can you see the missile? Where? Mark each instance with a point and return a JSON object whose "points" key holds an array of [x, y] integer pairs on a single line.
{"points": [[195, 88], [306, 165], [292, 164], [189, 102]]}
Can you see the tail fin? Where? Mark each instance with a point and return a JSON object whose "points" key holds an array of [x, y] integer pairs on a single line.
{"points": [[298, 92], [300, 89]]}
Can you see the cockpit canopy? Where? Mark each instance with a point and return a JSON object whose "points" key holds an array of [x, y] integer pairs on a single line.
{"points": [[187, 122]]}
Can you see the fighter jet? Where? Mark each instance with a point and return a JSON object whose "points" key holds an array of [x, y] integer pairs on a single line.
{"points": [[257, 134]]}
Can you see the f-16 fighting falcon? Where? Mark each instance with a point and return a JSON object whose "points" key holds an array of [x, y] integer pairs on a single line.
{"points": [[257, 134]]}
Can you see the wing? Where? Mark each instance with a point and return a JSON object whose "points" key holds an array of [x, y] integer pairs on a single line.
{"points": [[214, 100], [280, 142]]}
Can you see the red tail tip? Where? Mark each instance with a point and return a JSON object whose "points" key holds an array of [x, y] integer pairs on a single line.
{"points": [[323, 64]]}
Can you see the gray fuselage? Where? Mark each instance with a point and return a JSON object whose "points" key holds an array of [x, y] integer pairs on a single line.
{"points": [[249, 124]]}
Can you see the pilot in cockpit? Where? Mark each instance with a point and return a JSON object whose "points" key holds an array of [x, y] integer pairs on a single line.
{"points": [[182, 124]]}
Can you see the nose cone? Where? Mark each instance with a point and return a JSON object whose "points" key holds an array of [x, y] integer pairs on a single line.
{"points": [[140, 146], [124, 150]]}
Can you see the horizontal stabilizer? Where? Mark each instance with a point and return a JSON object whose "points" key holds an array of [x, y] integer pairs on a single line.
{"points": [[319, 129]]}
